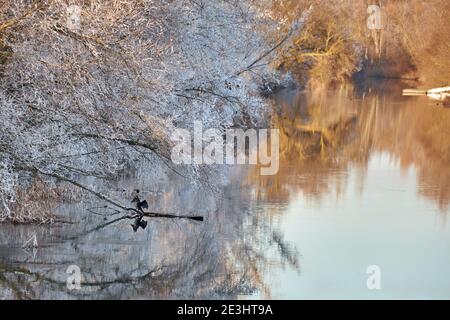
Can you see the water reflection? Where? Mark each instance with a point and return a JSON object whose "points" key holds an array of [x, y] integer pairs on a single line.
{"points": [[224, 257], [364, 179], [324, 134]]}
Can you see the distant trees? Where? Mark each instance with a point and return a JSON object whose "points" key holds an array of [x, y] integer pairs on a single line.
{"points": [[325, 50], [423, 31], [413, 41]]}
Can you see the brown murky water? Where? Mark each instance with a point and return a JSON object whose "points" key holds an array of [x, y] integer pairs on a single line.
{"points": [[364, 180]]}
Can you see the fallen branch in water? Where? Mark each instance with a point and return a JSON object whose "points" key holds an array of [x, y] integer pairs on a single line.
{"points": [[135, 212], [135, 216]]}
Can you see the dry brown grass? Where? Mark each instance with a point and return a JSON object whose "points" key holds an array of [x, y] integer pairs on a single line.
{"points": [[35, 204]]}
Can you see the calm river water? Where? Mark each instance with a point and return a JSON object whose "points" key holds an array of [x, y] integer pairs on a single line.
{"points": [[364, 181]]}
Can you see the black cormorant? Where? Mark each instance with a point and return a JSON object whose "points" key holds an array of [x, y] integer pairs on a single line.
{"points": [[140, 206]]}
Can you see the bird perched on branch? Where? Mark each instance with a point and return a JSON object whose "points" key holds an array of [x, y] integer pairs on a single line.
{"points": [[140, 206]]}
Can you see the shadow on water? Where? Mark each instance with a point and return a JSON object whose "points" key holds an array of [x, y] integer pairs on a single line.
{"points": [[328, 141]]}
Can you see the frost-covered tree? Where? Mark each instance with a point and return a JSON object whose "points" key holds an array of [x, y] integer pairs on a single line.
{"points": [[90, 87]]}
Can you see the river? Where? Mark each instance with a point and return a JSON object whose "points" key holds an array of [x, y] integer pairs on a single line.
{"points": [[364, 182]]}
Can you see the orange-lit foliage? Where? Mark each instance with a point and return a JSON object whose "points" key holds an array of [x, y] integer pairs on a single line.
{"points": [[414, 40]]}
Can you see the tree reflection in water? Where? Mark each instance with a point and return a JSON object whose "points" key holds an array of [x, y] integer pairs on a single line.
{"points": [[327, 133]]}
